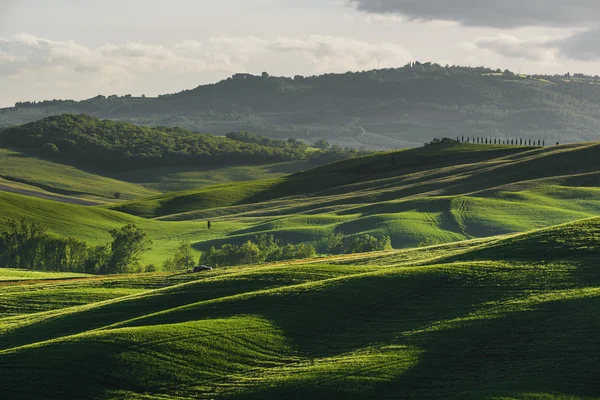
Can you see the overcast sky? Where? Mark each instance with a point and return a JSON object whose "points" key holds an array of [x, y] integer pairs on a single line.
{"points": [[78, 49]]}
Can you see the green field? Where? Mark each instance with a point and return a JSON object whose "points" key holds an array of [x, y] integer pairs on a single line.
{"points": [[19, 167], [512, 317], [493, 290], [25, 171], [418, 197]]}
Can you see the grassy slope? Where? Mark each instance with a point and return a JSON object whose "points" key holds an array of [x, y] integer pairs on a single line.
{"points": [[501, 318], [424, 196], [420, 196], [177, 179], [93, 223], [20, 167]]}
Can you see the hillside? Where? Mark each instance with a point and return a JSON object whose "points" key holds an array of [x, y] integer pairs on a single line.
{"points": [[26, 172], [421, 196], [119, 146], [378, 109], [431, 195], [501, 318]]}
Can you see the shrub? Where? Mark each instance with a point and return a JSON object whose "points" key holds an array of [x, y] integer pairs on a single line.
{"points": [[49, 150]]}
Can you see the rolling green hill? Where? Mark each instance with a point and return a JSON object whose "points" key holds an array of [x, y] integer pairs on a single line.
{"points": [[378, 109], [24, 171], [512, 317], [426, 196], [421, 196]]}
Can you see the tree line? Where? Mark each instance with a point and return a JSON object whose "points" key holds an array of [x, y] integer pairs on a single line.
{"points": [[266, 248], [28, 245], [122, 146], [485, 140]]}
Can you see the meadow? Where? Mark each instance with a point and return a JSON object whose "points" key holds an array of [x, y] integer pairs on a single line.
{"points": [[493, 290], [509, 317], [418, 197]]}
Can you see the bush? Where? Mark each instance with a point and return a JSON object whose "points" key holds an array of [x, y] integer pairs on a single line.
{"points": [[263, 248], [335, 243], [49, 150], [150, 268], [367, 243]]}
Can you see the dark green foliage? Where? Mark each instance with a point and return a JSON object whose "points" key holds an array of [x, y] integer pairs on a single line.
{"points": [[127, 246], [263, 248], [322, 144], [389, 102], [246, 137], [22, 245], [183, 258], [335, 243], [27, 245], [49, 150], [367, 243], [122, 146], [437, 141]]}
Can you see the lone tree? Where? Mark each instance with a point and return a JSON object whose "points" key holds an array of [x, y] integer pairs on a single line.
{"points": [[127, 247], [184, 259]]}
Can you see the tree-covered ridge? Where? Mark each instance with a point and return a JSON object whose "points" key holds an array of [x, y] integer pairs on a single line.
{"points": [[120, 145], [378, 109]]}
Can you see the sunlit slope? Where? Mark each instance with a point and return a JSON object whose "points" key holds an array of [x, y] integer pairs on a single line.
{"points": [[435, 195], [23, 168], [171, 179], [92, 224], [345, 176], [436, 170], [502, 318]]}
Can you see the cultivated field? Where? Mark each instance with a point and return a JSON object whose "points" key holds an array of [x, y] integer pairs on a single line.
{"points": [[512, 317]]}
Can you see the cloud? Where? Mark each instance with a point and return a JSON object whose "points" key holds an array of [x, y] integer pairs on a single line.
{"points": [[488, 13], [35, 68], [327, 53], [533, 49], [330, 53], [582, 46]]}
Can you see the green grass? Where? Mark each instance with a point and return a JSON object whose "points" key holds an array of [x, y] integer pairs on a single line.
{"points": [[181, 178], [418, 197], [26, 171], [509, 317], [9, 274], [92, 224], [22, 168]]}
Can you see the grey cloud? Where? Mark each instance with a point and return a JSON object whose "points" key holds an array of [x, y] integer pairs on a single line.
{"points": [[329, 53], [583, 46], [535, 49], [489, 13], [27, 53]]}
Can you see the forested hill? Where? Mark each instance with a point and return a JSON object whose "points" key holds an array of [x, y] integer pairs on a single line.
{"points": [[387, 108], [123, 146]]}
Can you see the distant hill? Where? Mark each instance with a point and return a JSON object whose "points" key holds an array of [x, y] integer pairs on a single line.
{"points": [[119, 146], [378, 109]]}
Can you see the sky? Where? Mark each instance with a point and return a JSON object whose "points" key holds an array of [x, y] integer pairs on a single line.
{"points": [[74, 49]]}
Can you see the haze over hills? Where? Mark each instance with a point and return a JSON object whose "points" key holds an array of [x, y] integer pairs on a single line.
{"points": [[377, 109]]}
